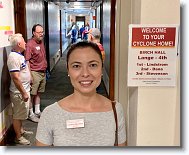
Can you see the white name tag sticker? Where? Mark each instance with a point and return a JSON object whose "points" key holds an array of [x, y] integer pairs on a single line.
{"points": [[75, 123], [38, 48]]}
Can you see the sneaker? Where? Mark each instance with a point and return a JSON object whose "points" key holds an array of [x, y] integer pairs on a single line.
{"points": [[22, 141], [38, 114], [33, 118], [25, 132]]}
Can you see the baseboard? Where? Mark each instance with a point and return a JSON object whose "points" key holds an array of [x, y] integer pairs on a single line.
{"points": [[9, 137]]}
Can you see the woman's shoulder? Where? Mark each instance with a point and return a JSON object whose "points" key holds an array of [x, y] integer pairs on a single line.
{"points": [[51, 108], [65, 100]]}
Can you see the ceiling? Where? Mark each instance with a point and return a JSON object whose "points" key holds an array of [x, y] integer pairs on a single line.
{"points": [[83, 7]]}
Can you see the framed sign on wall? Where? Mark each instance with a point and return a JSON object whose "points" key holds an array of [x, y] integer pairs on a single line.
{"points": [[152, 55], [6, 24]]}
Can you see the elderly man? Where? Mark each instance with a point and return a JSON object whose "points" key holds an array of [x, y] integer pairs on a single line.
{"points": [[20, 86], [94, 35]]}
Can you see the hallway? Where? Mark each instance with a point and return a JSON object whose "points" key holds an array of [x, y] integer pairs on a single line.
{"points": [[148, 89], [58, 86]]}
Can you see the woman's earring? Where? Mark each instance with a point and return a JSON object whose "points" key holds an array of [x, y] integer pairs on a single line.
{"points": [[68, 75]]}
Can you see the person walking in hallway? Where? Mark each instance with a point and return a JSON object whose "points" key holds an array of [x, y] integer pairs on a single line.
{"points": [[35, 55], [94, 35], [85, 33], [81, 31], [74, 34], [83, 118], [20, 86]]}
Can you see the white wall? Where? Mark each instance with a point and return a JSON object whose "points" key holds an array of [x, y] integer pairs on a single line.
{"points": [[152, 113], [123, 19], [7, 14], [159, 107]]}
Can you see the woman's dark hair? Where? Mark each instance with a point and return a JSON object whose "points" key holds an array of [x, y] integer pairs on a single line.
{"points": [[84, 44]]}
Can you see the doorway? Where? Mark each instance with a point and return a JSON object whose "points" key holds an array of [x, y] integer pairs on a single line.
{"points": [[80, 21]]}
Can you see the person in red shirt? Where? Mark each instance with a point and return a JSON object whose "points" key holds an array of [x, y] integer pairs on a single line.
{"points": [[85, 34], [94, 36], [36, 57]]}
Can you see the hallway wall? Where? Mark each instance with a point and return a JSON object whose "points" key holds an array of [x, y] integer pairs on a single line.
{"points": [[106, 41], [162, 103], [65, 40], [152, 113], [34, 15], [7, 18], [123, 19], [54, 34]]}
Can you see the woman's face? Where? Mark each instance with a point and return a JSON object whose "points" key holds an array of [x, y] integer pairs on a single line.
{"points": [[85, 70]]}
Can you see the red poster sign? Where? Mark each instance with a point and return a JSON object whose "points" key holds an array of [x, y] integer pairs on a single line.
{"points": [[153, 36], [152, 55]]}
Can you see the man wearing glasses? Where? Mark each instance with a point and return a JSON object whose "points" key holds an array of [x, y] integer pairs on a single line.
{"points": [[35, 56]]}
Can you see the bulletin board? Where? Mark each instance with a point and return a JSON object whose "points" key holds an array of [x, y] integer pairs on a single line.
{"points": [[6, 21]]}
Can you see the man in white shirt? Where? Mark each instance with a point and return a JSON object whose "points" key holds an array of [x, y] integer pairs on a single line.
{"points": [[20, 86]]}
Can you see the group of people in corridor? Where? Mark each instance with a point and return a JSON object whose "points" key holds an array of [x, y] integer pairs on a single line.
{"points": [[84, 118], [75, 32], [28, 77]]}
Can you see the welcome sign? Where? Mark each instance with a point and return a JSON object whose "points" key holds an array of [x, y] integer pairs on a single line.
{"points": [[152, 55]]}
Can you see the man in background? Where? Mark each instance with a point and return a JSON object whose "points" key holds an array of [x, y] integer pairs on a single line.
{"points": [[81, 31], [94, 35], [35, 55], [20, 86]]}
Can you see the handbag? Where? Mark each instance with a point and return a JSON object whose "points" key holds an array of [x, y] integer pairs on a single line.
{"points": [[115, 116]]}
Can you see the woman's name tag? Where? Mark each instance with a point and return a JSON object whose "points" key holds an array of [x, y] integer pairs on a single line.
{"points": [[75, 123]]}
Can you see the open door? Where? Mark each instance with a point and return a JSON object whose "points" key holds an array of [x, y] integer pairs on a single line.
{"points": [[20, 17]]}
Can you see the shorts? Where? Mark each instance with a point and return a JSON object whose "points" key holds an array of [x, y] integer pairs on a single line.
{"points": [[39, 82], [19, 108]]}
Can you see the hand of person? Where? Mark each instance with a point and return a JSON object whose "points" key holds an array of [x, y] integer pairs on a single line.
{"points": [[25, 97], [31, 80]]}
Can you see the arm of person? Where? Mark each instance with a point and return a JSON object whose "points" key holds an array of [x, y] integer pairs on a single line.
{"points": [[123, 144], [37, 143], [69, 33], [19, 86], [28, 56], [122, 140], [31, 77]]}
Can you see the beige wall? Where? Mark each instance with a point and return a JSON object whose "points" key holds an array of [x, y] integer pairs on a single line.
{"points": [[121, 42], [5, 119], [152, 113]]}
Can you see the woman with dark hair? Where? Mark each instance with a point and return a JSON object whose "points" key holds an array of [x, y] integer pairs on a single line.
{"points": [[83, 118]]}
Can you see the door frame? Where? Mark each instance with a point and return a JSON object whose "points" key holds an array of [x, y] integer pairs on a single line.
{"points": [[20, 17], [112, 51]]}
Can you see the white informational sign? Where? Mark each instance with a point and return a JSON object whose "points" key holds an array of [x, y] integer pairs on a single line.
{"points": [[152, 55], [6, 21]]}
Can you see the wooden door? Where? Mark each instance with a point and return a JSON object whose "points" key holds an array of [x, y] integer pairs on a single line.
{"points": [[20, 17]]}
